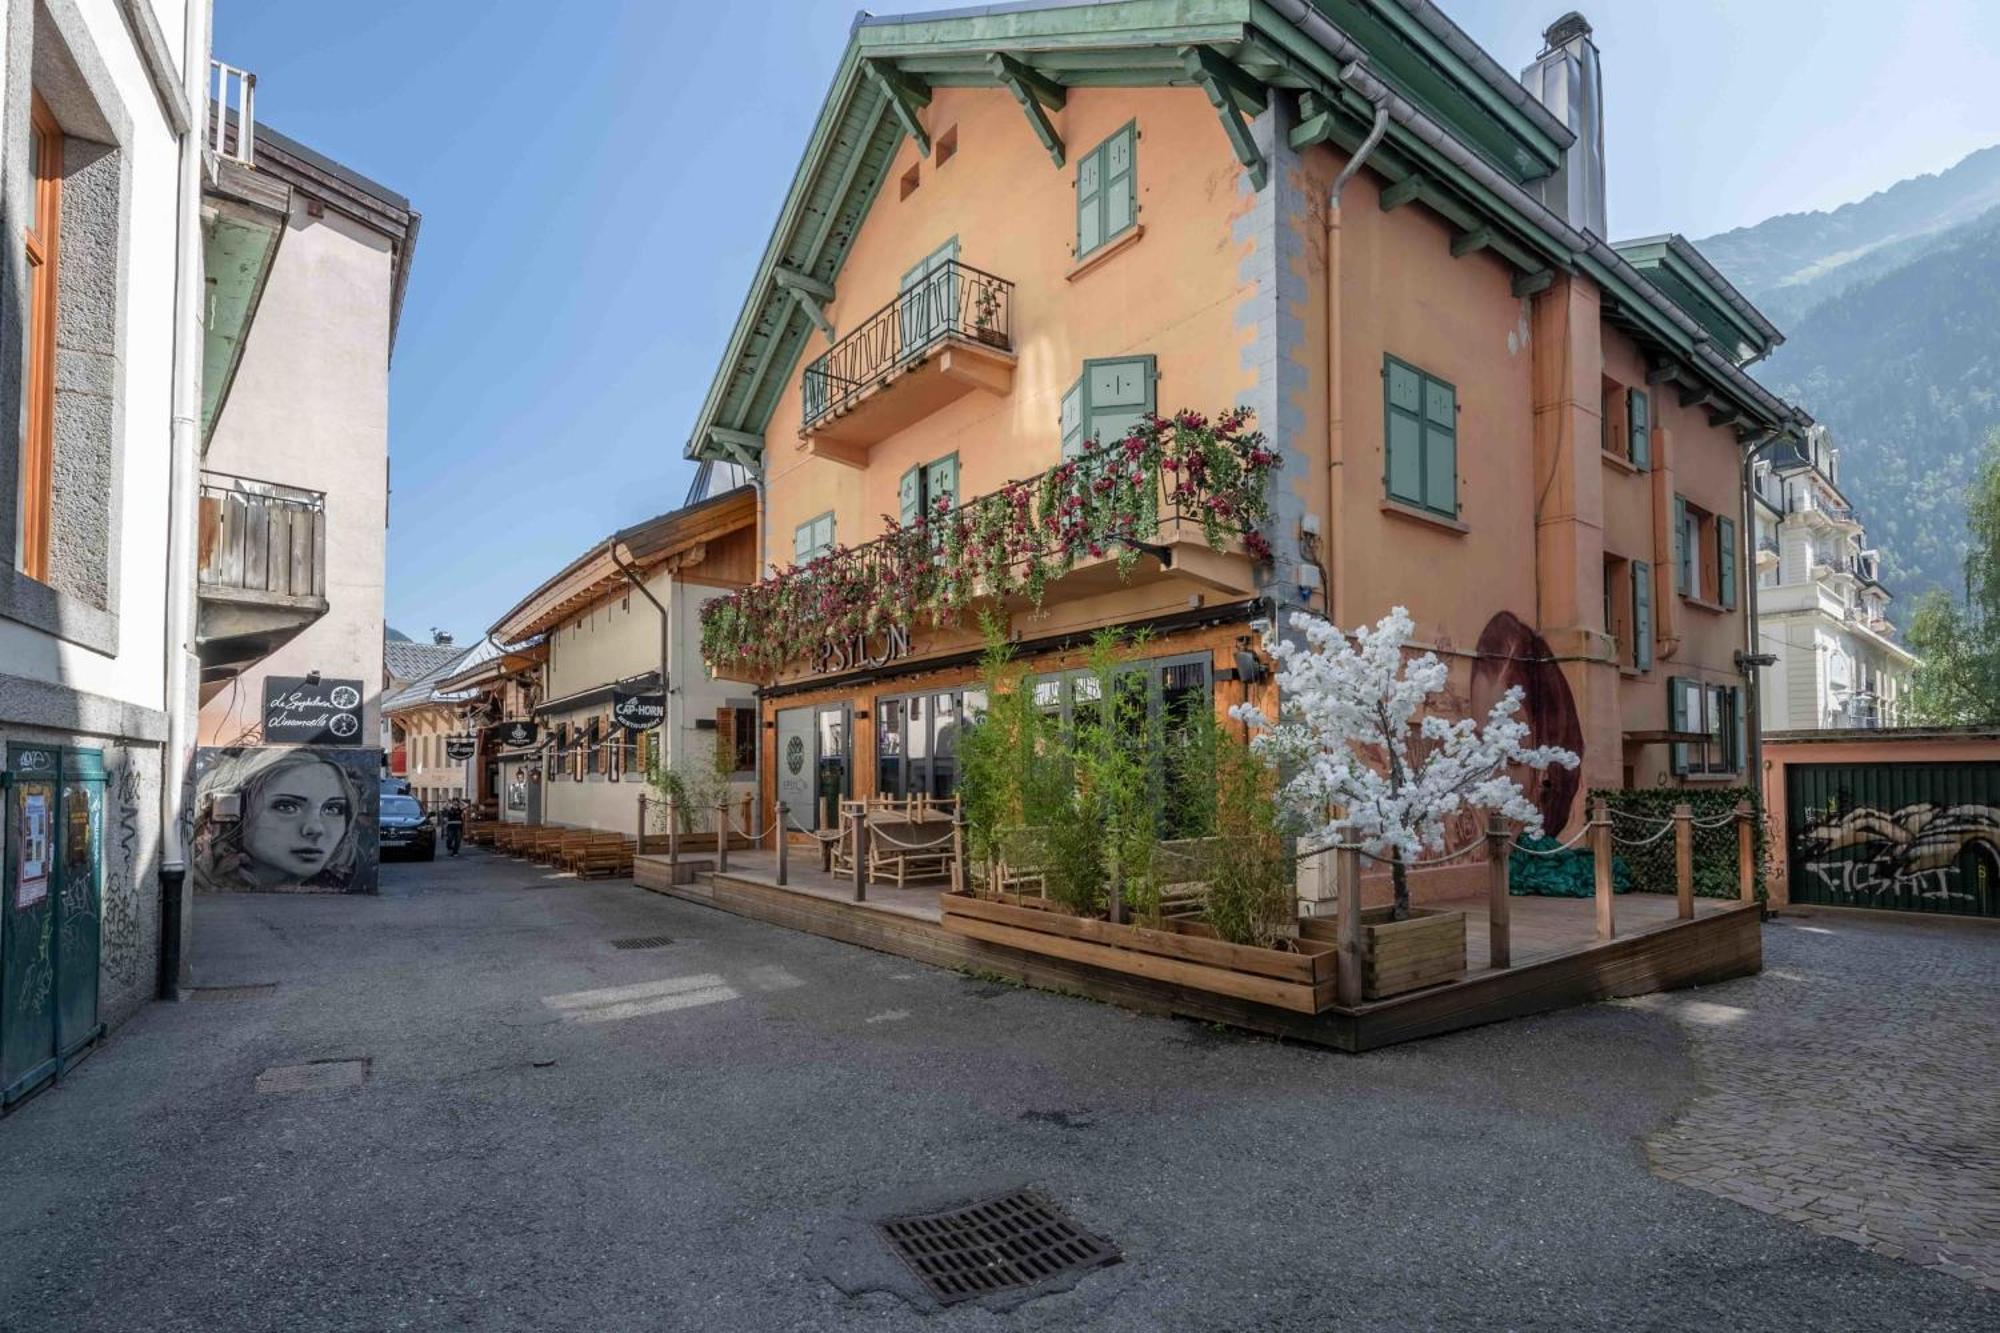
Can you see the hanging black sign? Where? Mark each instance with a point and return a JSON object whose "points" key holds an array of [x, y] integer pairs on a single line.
{"points": [[520, 735], [299, 710], [458, 749], [637, 708]]}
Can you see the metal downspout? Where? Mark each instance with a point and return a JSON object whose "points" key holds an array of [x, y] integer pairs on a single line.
{"points": [[1336, 425], [1753, 725], [183, 466], [666, 652]]}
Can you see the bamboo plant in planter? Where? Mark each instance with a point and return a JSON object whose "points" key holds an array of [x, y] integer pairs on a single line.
{"points": [[1374, 772]]}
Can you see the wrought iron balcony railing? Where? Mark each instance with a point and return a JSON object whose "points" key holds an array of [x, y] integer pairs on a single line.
{"points": [[954, 300]]}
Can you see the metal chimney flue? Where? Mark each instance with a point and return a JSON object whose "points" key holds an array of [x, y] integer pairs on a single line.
{"points": [[1567, 79]]}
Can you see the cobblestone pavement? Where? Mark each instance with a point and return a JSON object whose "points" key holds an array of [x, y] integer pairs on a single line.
{"points": [[1854, 1088]]}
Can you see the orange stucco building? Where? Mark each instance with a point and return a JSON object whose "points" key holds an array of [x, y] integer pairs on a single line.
{"points": [[1016, 231]]}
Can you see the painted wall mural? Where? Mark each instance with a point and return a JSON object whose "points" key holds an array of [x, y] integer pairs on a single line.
{"points": [[1511, 653], [278, 819]]}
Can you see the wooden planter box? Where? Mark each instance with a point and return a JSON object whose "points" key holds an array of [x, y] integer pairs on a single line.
{"points": [[1186, 954], [1398, 956]]}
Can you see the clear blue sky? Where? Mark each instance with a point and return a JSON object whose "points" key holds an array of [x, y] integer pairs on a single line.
{"points": [[598, 178]]}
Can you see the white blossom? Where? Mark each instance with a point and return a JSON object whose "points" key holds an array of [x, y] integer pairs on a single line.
{"points": [[1365, 767]]}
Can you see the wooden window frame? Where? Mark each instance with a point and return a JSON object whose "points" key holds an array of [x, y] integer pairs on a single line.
{"points": [[42, 243]]}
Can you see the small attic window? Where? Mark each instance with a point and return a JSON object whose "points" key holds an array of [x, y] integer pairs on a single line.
{"points": [[947, 145], [909, 182]]}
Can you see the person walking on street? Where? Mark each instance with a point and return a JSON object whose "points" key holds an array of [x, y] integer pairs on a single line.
{"points": [[454, 826]]}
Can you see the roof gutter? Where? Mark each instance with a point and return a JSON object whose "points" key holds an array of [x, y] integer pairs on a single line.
{"points": [[1581, 245]]}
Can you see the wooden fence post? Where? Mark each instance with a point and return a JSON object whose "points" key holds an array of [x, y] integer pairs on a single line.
{"points": [[861, 851], [722, 835], [1600, 840], [1684, 860], [673, 841], [1746, 853], [1347, 924], [747, 825], [958, 875], [1114, 897], [1499, 940], [784, 842], [639, 848]]}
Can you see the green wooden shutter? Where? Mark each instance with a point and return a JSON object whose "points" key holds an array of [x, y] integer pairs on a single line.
{"points": [[1642, 615], [1677, 720], [1725, 560], [1072, 420], [1403, 442], [1640, 427], [1736, 728], [802, 542], [1089, 202], [1117, 395], [1120, 190], [823, 533], [1680, 546], [1440, 447], [941, 482], [910, 495]]}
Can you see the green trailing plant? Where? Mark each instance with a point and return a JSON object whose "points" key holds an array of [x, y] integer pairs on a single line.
{"points": [[1015, 541], [695, 786]]}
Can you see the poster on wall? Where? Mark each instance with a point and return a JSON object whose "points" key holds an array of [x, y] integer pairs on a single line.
{"points": [[286, 819], [299, 710], [32, 882]]}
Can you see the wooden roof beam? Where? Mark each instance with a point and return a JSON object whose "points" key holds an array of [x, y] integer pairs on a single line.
{"points": [[1531, 284], [908, 94], [811, 295], [1470, 242], [1663, 372], [1404, 191], [743, 448], [1231, 92], [1033, 90]]}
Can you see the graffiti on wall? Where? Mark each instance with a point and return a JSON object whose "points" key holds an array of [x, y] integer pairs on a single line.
{"points": [[1945, 857], [122, 944], [275, 819]]}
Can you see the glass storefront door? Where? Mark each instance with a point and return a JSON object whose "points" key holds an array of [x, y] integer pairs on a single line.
{"points": [[812, 762], [916, 741]]}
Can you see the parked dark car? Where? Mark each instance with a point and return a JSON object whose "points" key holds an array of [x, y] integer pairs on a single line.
{"points": [[406, 828]]}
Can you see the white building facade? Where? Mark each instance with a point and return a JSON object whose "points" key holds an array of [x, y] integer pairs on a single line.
{"points": [[1822, 611]]}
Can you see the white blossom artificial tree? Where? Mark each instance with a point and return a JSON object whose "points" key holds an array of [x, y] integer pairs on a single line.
{"points": [[1364, 767]]}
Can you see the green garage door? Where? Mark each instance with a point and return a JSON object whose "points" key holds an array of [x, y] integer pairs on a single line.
{"points": [[1902, 837], [50, 925]]}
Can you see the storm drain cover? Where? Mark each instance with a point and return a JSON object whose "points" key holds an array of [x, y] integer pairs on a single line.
{"points": [[1004, 1243], [256, 990], [314, 1076], [643, 942]]}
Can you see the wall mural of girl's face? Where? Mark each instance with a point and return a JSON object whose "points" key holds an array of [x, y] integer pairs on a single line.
{"points": [[300, 819]]}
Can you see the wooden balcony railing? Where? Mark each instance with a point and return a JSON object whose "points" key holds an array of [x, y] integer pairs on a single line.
{"points": [[952, 301], [261, 538]]}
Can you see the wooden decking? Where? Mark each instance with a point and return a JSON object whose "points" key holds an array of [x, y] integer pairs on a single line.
{"points": [[1557, 961]]}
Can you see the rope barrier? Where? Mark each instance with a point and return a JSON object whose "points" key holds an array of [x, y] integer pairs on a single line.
{"points": [[1647, 841], [1556, 850], [1616, 813], [1418, 864], [877, 831], [1718, 822]]}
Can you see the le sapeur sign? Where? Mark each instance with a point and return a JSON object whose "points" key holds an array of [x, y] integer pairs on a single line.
{"points": [[299, 710]]}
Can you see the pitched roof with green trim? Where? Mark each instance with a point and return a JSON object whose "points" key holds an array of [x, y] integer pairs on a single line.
{"points": [[1465, 136], [1672, 264]]}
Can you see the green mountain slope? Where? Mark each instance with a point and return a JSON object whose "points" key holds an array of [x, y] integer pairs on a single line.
{"points": [[1774, 259], [1904, 368]]}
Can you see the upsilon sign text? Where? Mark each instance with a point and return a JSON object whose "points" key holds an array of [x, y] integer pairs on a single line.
{"points": [[301, 711], [864, 651]]}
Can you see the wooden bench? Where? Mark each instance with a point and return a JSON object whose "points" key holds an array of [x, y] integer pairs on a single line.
{"points": [[543, 844], [511, 838], [576, 841], [482, 832], [603, 858]]}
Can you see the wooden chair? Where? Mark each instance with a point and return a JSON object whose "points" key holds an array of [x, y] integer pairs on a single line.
{"points": [[918, 842], [1019, 866]]}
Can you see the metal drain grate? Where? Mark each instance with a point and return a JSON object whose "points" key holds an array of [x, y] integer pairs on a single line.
{"points": [[643, 942], [254, 991], [999, 1244]]}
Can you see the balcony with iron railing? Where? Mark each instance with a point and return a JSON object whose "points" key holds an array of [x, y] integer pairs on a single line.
{"points": [[1809, 502], [261, 569], [948, 334], [1123, 514]]}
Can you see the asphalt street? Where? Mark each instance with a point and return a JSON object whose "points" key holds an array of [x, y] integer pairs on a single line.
{"points": [[458, 1105]]}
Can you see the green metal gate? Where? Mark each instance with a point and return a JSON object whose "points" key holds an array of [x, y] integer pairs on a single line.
{"points": [[51, 926], [1903, 837]]}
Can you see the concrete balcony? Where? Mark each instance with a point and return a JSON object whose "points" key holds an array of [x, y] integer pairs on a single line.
{"points": [[261, 577], [948, 335]]}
